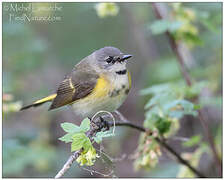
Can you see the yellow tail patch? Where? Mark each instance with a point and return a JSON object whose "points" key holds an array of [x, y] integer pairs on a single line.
{"points": [[48, 98]]}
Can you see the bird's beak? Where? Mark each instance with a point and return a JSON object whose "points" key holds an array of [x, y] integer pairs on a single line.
{"points": [[126, 56]]}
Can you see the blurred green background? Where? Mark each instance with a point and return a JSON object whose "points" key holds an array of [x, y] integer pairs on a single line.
{"points": [[37, 55]]}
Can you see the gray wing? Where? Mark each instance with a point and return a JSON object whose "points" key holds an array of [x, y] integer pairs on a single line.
{"points": [[76, 85]]}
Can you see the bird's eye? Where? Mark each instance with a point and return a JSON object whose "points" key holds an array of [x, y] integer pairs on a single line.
{"points": [[109, 59]]}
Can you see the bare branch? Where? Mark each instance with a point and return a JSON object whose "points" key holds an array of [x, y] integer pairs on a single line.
{"points": [[68, 163]]}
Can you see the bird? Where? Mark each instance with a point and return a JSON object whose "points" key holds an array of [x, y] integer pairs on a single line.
{"points": [[99, 82]]}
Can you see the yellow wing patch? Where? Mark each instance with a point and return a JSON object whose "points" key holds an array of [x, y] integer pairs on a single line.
{"points": [[71, 85], [48, 98]]}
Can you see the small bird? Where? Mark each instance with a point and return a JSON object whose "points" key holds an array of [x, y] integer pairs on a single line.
{"points": [[98, 82]]}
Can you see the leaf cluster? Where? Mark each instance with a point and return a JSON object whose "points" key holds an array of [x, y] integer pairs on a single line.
{"points": [[183, 24], [147, 154], [167, 105], [76, 135]]}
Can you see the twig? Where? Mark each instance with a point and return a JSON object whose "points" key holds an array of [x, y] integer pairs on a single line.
{"points": [[95, 129], [175, 47], [130, 125], [162, 143], [122, 118], [97, 172], [68, 163], [166, 146]]}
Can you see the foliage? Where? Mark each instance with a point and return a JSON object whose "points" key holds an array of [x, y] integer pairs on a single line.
{"points": [[169, 102], [194, 140], [147, 153], [161, 26], [8, 106], [36, 57], [188, 32], [168, 105], [73, 129], [17, 156], [163, 111], [182, 24], [107, 9], [76, 135], [100, 135], [88, 158]]}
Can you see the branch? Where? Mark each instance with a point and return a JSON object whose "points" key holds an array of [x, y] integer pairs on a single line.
{"points": [[164, 145], [68, 163], [99, 125], [180, 58]]}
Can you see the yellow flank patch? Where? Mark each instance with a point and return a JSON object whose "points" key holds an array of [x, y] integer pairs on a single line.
{"points": [[129, 79], [101, 88], [48, 98]]}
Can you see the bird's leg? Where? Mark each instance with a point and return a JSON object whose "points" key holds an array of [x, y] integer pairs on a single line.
{"points": [[102, 124], [95, 124], [99, 123], [105, 124]]}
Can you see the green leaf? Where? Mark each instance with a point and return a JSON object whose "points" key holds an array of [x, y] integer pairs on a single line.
{"points": [[85, 125], [160, 99], [76, 135], [70, 127], [87, 145], [67, 137], [78, 141], [155, 89], [194, 140], [188, 108], [183, 103], [176, 114], [159, 26], [192, 38], [151, 119], [163, 125], [107, 9], [100, 135], [175, 25], [197, 106]]}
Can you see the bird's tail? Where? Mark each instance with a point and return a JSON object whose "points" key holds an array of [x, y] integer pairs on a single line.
{"points": [[39, 102]]}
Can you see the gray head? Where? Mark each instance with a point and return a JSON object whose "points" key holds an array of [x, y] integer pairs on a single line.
{"points": [[110, 59]]}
